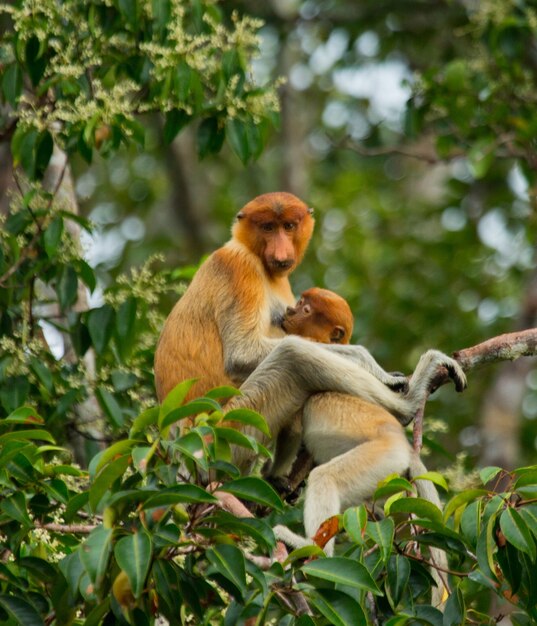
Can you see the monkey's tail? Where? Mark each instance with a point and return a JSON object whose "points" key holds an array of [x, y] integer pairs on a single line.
{"points": [[427, 491]]}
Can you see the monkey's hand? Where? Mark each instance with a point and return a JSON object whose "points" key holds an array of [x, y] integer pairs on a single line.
{"points": [[397, 381]]}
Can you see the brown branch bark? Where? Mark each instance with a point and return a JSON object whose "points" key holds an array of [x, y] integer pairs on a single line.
{"points": [[84, 529]]}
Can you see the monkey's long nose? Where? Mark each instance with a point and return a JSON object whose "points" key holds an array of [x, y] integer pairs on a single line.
{"points": [[290, 311]]}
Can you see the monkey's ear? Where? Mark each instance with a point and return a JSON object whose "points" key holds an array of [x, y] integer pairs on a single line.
{"points": [[310, 210], [239, 215], [337, 334]]}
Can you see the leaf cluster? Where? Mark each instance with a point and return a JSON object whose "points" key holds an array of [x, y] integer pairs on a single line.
{"points": [[143, 534], [84, 93]]}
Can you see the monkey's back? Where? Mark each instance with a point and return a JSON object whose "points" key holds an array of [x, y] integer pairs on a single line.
{"points": [[190, 345], [228, 297]]}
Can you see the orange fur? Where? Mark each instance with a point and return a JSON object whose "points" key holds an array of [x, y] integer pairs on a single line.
{"points": [[218, 331], [321, 315]]}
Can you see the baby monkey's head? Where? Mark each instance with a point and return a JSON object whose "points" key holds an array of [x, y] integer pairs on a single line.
{"points": [[320, 315]]}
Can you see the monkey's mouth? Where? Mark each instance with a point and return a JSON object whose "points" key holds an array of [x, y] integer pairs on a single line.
{"points": [[281, 266], [285, 325]]}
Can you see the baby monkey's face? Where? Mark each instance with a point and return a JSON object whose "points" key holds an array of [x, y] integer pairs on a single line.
{"points": [[313, 317]]}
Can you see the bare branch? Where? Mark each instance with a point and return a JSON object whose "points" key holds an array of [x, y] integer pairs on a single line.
{"points": [[84, 529]]}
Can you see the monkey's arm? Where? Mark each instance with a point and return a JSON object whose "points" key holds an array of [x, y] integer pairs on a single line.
{"points": [[362, 356]]}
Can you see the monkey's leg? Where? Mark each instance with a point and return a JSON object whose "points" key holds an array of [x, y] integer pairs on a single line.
{"points": [[349, 479], [287, 447]]}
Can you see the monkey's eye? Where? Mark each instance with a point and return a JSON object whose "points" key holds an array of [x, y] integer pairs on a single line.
{"points": [[307, 309], [289, 226], [267, 227]]}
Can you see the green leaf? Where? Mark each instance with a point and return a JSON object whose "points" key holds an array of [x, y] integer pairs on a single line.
{"points": [[238, 139], [141, 457], [305, 552], [115, 450], [486, 547], [183, 492], [398, 570], [254, 489], [417, 506], [106, 477], [175, 398], [35, 61], [95, 554], [161, 13], [354, 522], [517, 533], [343, 571], [43, 151], [77, 502], [193, 445], [176, 120], [220, 393], [20, 435], [23, 415], [39, 568], [27, 151], [42, 373], [110, 406], [248, 417], [258, 529], [133, 555], [210, 137], [382, 534], [228, 561], [125, 323], [233, 436], [67, 286], [15, 508], [100, 324], [21, 611], [455, 610], [392, 486], [527, 478], [143, 421], [434, 477], [201, 405], [529, 515], [462, 499], [86, 274], [12, 84], [489, 473], [338, 608]]}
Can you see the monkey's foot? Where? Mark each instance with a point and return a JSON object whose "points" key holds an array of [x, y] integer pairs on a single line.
{"points": [[398, 382], [454, 369]]}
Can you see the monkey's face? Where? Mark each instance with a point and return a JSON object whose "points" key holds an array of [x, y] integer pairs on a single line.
{"points": [[320, 315], [277, 228], [304, 320]]}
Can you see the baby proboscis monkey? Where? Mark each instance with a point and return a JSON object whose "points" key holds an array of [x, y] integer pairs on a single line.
{"points": [[354, 443]]}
